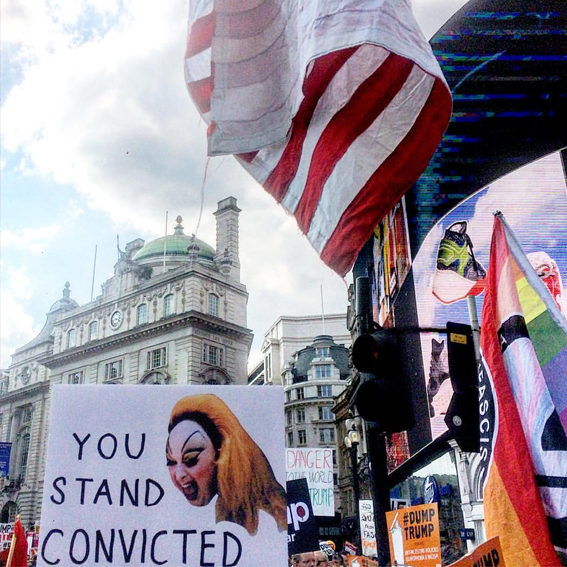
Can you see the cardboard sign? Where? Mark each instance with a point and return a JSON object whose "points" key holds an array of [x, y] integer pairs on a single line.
{"points": [[367, 528], [414, 538], [488, 553], [316, 465], [360, 561], [302, 534], [153, 475]]}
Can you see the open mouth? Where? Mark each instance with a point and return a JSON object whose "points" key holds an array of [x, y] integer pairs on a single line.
{"points": [[191, 491]]}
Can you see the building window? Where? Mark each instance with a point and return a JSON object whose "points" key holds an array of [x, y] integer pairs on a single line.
{"points": [[300, 393], [113, 370], [302, 437], [290, 438], [288, 417], [142, 316], [325, 413], [75, 378], [300, 415], [213, 355], [213, 304], [268, 367], [156, 358], [288, 396], [323, 352], [326, 435], [26, 415], [323, 371], [325, 391], [25, 449], [71, 338], [93, 330], [334, 458], [168, 305]]}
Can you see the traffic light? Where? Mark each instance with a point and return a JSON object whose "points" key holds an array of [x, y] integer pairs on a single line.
{"points": [[462, 416], [382, 395]]}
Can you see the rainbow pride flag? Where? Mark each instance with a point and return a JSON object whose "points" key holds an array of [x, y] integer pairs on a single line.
{"points": [[523, 407]]}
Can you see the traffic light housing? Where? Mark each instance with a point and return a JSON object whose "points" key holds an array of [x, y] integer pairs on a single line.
{"points": [[462, 417], [382, 395]]}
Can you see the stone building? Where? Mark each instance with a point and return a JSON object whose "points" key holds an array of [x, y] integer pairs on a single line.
{"points": [[290, 334], [173, 313]]}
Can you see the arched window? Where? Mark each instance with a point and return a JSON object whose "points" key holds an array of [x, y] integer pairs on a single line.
{"points": [[213, 304], [71, 338], [93, 330], [142, 314], [24, 453], [8, 514], [168, 302]]}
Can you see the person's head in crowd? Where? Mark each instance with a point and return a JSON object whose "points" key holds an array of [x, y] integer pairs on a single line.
{"points": [[321, 559], [337, 560], [304, 559]]}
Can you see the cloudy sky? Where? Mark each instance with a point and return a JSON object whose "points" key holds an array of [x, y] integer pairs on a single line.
{"points": [[99, 138]]}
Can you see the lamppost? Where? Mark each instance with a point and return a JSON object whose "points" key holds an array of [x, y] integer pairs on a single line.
{"points": [[352, 440]]}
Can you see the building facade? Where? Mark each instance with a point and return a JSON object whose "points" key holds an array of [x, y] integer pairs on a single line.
{"points": [[288, 335], [173, 313]]}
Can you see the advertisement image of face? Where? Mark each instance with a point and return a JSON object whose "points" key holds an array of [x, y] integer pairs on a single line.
{"points": [[191, 461]]}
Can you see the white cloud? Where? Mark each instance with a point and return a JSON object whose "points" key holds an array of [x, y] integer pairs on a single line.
{"points": [[101, 105], [34, 240]]}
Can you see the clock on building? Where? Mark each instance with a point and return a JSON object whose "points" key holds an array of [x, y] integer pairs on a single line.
{"points": [[116, 319], [26, 374]]}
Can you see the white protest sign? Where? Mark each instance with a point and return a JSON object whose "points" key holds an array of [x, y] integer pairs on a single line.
{"points": [[6, 533], [316, 465], [165, 475], [367, 528]]}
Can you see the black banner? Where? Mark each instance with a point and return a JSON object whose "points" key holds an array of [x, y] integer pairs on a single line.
{"points": [[302, 533]]}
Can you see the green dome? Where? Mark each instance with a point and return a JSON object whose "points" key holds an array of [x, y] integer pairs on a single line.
{"points": [[176, 244]]}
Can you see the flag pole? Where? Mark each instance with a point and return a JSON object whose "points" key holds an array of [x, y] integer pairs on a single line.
{"points": [[165, 240], [322, 309], [475, 327], [12, 545]]}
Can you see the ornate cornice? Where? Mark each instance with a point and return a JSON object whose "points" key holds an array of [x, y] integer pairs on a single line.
{"points": [[189, 319], [25, 392]]}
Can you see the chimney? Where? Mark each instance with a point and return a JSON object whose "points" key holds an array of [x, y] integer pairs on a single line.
{"points": [[227, 237]]}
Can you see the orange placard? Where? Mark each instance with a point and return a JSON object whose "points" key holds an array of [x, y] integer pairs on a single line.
{"points": [[360, 561], [488, 553], [414, 538]]}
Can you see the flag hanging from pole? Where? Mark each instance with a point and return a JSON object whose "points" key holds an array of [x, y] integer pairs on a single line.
{"points": [[523, 407], [335, 107], [18, 556]]}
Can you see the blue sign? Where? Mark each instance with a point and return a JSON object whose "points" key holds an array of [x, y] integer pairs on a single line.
{"points": [[467, 533], [430, 490], [5, 449]]}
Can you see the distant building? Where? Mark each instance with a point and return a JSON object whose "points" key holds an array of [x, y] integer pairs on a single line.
{"points": [[290, 334], [173, 313]]}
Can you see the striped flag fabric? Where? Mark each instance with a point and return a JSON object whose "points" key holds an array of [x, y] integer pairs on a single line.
{"points": [[523, 407], [334, 107]]}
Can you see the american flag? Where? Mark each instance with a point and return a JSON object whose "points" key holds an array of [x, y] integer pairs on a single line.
{"points": [[334, 106]]}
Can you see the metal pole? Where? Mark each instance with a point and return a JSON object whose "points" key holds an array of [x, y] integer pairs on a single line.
{"points": [[356, 490], [165, 241], [473, 317], [380, 491], [94, 271]]}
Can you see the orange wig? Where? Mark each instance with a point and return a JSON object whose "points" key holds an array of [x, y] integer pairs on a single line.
{"points": [[245, 480]]}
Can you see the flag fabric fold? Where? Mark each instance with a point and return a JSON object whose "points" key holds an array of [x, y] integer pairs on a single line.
{"points": [[20, 554], [523, 407], [335, 107]]}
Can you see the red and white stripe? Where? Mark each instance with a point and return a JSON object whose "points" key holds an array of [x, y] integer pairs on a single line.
{"points": [[335, 107]]}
